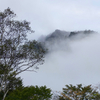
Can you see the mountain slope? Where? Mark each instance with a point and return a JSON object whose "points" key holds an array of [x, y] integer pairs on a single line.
{"points": [[58, 36]]}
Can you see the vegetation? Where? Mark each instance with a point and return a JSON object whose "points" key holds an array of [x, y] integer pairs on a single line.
{"points": [[17, 54], [30, 93], [14, 83], [79, 93]]}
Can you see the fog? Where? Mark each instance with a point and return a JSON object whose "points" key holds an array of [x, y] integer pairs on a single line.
{"points": [[71, 61]]}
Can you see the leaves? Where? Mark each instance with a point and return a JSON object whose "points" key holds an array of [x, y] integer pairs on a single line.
{"points": [[17, 54], [79, 93], [30, 93]]}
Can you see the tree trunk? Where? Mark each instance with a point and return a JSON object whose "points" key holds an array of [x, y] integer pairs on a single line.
{"points": [[5, 95]]}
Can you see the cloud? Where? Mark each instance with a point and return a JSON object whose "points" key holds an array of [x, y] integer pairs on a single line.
{"points": [[75, 61]]}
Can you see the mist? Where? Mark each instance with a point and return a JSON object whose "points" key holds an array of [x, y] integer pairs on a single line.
{"points": [[71, 61]]}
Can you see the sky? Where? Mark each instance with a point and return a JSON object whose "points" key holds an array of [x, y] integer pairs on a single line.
{"points": [[47, 15], [69, 15]]}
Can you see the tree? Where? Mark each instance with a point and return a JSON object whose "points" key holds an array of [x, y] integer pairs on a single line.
{"points": [[30, 93], [13, 84], [17, 54], [79, 93]]}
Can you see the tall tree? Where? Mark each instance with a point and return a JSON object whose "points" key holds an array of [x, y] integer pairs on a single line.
{"points": [[17, 54]]}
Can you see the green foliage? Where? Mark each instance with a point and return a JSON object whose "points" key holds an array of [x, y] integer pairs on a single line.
{"points": [[30, 93], [32, 50], [13, 84], [79, 93]]}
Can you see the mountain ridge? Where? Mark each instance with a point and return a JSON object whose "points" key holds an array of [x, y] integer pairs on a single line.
{"points": [[60, 34]]}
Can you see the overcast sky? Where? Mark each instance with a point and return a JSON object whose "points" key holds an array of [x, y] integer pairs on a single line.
{"points": [[69, 15], [47, 15]]}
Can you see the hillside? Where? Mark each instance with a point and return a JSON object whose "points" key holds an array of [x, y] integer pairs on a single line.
{"points": [[58, 36]]}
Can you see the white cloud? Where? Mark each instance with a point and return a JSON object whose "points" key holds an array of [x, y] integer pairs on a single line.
{"points": [[70, 62]]}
